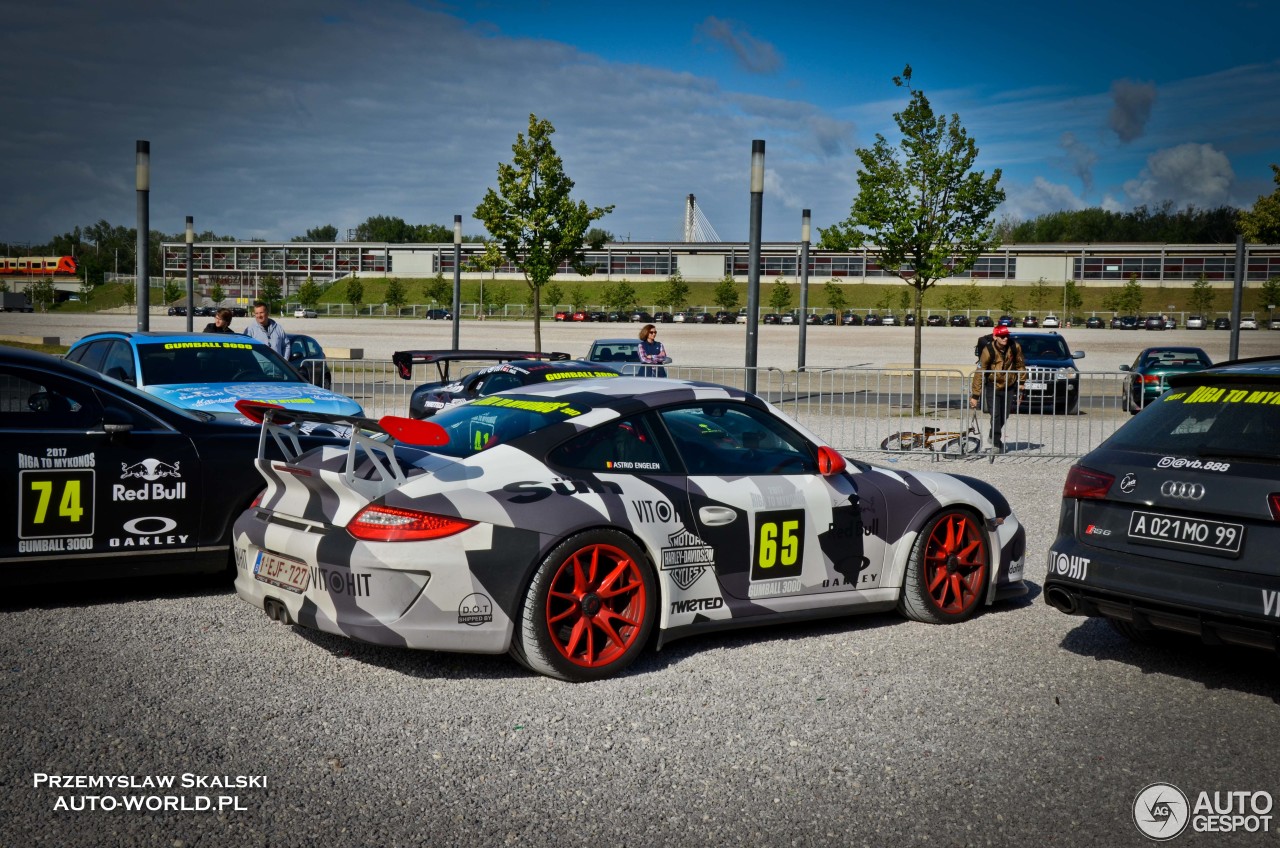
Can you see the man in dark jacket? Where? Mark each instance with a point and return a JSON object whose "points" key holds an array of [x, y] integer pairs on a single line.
{"points": [[998, 380], [221, 322]]}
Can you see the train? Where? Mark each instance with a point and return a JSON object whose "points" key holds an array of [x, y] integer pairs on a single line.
{"points": [[37, 266]]}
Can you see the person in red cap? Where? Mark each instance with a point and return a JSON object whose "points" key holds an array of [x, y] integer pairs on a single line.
{"points": [[997, 381]]}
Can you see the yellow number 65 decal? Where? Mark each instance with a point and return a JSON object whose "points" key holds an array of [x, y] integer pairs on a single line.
{"points": [[779, 548]]}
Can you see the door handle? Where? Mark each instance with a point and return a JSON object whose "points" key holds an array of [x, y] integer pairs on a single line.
{"points": [[714, 516]]}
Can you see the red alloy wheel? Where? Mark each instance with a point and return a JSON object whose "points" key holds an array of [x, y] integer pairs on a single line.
{"points": [[955, 564], [596, 605]]}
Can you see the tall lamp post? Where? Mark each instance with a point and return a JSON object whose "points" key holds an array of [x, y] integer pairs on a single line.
{"points": [[142, 279], [753, 261], [191, 280], [457, 276], [804, 286]]}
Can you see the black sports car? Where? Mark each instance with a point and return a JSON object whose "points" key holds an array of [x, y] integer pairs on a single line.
{"points": [[1173, 523], [513, 368], [98, 479]]}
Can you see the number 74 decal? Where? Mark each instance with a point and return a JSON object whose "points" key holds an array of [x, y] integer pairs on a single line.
{"points": [[55, 503], [779, 544]]}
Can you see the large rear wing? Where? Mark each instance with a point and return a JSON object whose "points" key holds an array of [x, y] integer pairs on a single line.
{"points": [[404, 360], [372, 438]]}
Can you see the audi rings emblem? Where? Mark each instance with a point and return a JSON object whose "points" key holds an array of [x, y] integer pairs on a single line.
{"points": [[1185, 491]]}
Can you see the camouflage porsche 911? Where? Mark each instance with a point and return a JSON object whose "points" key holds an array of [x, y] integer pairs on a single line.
{"points": [[573, 524]]}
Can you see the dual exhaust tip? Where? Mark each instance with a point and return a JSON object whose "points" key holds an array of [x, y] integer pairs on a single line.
{"points": [[276, 610]]}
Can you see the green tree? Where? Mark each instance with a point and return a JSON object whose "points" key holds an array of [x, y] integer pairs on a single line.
{"points": [[270, 293], [42, 293], [578, 295], [327, 233], [1008, 302], [923, 204], [1202, 296], [171, 291], [1039, 293], [1269, 294], [597, 238], [396, 295], [780, 296], [555, 294], [1131, 296], [432, 234], [437, 289], [1072, 297], [951, 298], [355, 293], [386, 228], [725, 295], [130, 293], [309, 293], [620, 296], [972, 297], [216, 294], [1261, 224], [673, 292], [835, 297], [499, 296], [535, 223]]}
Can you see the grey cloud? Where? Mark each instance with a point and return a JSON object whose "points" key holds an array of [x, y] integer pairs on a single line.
{"points": [[1189, 174], [1131, 108], [1080, 158], [754, 55]]}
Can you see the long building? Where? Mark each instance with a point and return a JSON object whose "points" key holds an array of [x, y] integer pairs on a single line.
{"points": [[238, 264]]}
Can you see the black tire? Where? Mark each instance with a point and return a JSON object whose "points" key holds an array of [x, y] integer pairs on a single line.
{"points": [[963, 446], [948, 570], [605, 591], [902, 442]]}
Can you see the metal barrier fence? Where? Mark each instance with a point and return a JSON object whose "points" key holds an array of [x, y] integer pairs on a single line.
{"points": [[862, 410]]}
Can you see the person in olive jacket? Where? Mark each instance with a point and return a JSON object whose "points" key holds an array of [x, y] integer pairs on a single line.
{"points": [[997, 382]]}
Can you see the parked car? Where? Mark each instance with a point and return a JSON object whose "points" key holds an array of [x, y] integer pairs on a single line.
{"points": [[851, 319], [813, 319], [1050, 322], [741, 317], [1196, 322], [787, 318], [909, 320], [304, 313], [579, 316], [105, 481], [615, 317], [597, 317], [1153, 322], [306, 355], [1093, 322], [771, 318], [959, 321], [641, 316], [829, 319], [872, 320], [1053, 380], [983, 321], [544, 522], [1273, 324], [1117, 323], [204, 371], [1170, 527], [701, 318], [623, 354], [1222, 324], [1148, 376], [447, 315], [1130, 322], [429, 399], [935, 321], [680, 317], [1248, 323], [888, 321], [1030, 321], [663, 318], [723, 317], [1005, 321], [1170, 323], [177, 310]]}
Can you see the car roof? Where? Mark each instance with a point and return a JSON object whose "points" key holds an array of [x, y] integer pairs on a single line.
{"points": [[151, 336], [627, 394], [618, 341], [1236, 371]]}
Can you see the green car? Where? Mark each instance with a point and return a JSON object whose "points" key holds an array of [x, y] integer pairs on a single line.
{"points": [[1149, 373]]}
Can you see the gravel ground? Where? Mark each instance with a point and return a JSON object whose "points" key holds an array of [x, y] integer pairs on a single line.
{"points": [[1020, 727]]}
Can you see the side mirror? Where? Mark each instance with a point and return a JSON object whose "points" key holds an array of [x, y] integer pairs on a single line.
{"points": [[830, 462], [1124, 367], [1077, 354]]}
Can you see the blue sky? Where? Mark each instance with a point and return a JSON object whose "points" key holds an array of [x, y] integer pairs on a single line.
{"points": [[267, 119]]}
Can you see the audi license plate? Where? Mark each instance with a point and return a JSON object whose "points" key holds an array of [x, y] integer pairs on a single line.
{"points": [[286, 573], [1037, 387], [1188, 534]]}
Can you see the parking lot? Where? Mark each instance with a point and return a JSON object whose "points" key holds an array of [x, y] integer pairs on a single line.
{"points": [[1020, 727]]}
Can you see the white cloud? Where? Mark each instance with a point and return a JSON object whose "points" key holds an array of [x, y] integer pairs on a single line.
{"points": [[1024, 202], [1187, 175]]}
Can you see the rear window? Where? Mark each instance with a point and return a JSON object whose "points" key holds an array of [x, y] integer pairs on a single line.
{"points": [[615, 352], [1233, 420], [489, 421]]}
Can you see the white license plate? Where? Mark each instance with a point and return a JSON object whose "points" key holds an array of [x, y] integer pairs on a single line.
{"points": [[1037, 387], [278, 571], [1189, 534]]}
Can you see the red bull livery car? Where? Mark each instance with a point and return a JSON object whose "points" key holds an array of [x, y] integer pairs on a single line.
{"points": [[574, 523]]}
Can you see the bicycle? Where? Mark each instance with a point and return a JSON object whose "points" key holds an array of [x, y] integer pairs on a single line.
{"points": [[949, 442]]}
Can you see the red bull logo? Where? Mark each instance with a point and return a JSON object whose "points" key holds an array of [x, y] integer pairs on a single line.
{"points": [[149, 470]]}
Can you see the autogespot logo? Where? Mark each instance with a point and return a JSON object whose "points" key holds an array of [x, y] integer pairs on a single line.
{"points": [[1160, 811]]}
